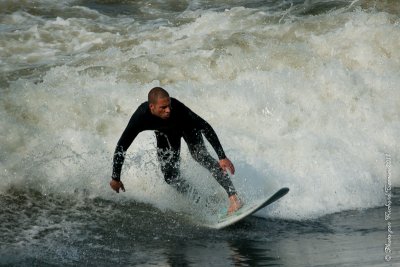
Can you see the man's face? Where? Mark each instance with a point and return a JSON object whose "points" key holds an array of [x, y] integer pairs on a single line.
{"points": [[162, 108]]}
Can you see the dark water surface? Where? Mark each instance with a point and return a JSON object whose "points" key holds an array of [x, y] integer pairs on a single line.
{"points": [[53, 230]]}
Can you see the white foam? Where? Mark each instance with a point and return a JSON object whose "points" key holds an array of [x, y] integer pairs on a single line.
{"points": [[310, 104]]}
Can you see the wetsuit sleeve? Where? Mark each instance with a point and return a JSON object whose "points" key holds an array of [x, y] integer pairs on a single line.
{"points": [[208, 132], [131, 131]]}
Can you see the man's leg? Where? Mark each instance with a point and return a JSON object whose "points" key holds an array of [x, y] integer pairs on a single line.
{"points": [[199, 152], [168, 152]]}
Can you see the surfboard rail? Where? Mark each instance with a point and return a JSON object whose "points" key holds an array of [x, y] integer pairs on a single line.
{"points": [[247, 210]]}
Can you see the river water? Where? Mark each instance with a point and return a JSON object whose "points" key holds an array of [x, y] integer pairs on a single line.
{"points": [[302, 94]]}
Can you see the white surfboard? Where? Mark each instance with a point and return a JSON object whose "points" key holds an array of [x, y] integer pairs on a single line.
{"points": [[225, 220]]}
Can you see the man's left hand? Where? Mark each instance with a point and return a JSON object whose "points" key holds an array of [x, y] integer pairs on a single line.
{"points": [[117, 185], [226, 164]]}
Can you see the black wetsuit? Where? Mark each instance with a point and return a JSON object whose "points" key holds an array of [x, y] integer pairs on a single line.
{"points": [[182, 123]]}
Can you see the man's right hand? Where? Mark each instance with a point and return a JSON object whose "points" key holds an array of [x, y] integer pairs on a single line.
{"points": [[116, 185]]}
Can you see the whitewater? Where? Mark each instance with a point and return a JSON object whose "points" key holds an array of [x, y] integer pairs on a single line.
{"points": [[302, 94]]}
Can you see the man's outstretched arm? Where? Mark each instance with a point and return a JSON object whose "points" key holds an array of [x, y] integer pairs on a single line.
{"points": [[212, 138], [126, 139]]}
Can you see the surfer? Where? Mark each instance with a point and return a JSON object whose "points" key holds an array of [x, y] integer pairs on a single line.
{"points": [[171, 120]]}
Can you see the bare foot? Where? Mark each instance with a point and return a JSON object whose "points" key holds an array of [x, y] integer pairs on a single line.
{"points": [[234, 204]]}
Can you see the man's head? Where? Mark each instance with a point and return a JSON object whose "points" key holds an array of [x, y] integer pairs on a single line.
{"points": [[159, 103]]}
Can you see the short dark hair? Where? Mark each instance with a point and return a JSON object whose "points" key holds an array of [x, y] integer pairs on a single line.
{"points": [[156, 93]]}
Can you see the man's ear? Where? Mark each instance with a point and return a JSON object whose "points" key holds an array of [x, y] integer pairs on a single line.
{"points": [[152, 107]]}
